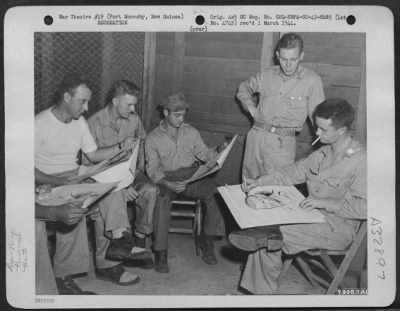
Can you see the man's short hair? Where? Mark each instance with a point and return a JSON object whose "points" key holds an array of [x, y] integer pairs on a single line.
{"points": [[290, 41], [69, 84], [122, 87], [338, 110]]}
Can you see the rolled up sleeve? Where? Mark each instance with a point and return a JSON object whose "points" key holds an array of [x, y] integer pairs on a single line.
{"points": [[153, 161], [247, 88]]}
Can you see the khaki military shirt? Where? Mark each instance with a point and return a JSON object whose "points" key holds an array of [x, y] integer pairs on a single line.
{"points": [[344, 179], [284, 101], [107, 131], [165, 154]]}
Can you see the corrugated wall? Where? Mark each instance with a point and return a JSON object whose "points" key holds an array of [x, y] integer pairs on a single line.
{"points": [[101, 57]]}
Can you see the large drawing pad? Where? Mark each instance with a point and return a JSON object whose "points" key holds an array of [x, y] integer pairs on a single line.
{"points": [[23, 24]]}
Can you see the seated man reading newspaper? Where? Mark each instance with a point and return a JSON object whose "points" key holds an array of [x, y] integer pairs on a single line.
{"points": [[61, 132], [172, 151], [116, 122], [336, 178]]}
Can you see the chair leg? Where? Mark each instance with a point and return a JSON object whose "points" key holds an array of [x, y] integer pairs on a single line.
{"points": [[344, 266], [307, 271], [198, 227], [328, 263]]}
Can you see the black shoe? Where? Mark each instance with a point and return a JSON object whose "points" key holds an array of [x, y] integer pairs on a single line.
{"points": [[161, 261], [206, 244], [67, 286], [121, 248], [256, 238], [145, 263], [113, 275]]}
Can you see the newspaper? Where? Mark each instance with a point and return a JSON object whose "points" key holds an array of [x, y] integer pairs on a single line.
{"points": [[213, 165], [286, 213], [121, 173], [111, 161]]}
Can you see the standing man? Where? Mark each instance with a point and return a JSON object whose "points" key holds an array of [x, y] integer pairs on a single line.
{"points": [[171, 149], [60, 133], [117, 122], [287, 94], [336, 176]]}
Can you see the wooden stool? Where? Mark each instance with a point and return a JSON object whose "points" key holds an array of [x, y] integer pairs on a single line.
{"points": [[194, 212]]}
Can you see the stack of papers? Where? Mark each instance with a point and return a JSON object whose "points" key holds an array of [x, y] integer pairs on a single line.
{"points": [[248, 217]]}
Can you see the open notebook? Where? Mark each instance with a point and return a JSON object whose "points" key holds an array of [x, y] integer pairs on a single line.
{"points": [[213, 165], [287, 213]]}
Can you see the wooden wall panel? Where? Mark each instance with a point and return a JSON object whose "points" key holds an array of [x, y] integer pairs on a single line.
{"points": [[237, 37], [165, 43], [349, 56], [334, 39], [337, 74], [211, 85], [223, 50], [220, 67], [212, 103]]}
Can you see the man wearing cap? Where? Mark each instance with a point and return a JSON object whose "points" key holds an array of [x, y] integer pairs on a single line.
{"points": [[116, 122], [172, 150], [336, 177], [287, 94]]}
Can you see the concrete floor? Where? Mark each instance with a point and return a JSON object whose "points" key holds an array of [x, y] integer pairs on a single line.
{"points": [[189, 275]]}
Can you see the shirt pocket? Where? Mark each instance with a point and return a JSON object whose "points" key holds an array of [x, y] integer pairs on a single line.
{"points": [[336, 186], [296, 102], [296, 106], [164, 154]]}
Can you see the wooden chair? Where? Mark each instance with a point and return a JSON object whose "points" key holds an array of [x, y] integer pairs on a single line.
{"points": [[185, 208], [336, 273]]}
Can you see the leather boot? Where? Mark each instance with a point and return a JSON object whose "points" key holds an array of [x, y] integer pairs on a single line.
{"points": [[67, 286], [206, 244], [161, 261]]}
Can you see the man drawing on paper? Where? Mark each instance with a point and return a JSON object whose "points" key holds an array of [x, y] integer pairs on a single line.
{"points": [[60, 132], [286, 93], [116, 122], [172, 149], [336, 178]]}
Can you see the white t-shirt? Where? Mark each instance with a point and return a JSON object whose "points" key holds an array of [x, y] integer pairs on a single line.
{"points": [[57, 144]]}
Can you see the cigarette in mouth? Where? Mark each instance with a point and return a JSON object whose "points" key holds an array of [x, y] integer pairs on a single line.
{"points": [[315, 141]]}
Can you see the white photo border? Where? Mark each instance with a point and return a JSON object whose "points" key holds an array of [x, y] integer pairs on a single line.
{"points": [[21, 23]]}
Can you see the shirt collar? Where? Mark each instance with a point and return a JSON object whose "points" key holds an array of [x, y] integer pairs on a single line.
{"points": [[162, 126], [350, 150], [298, 75]]}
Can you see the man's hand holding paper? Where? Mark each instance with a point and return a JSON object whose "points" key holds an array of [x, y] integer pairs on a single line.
{"points": [[131, 193]]}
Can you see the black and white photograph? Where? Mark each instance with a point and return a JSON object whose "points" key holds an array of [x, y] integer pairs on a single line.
{"points": [[198, 157]]}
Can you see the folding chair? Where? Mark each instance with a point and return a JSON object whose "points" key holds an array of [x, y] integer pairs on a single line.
{"points": [[179, 210], [336, 273]]}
